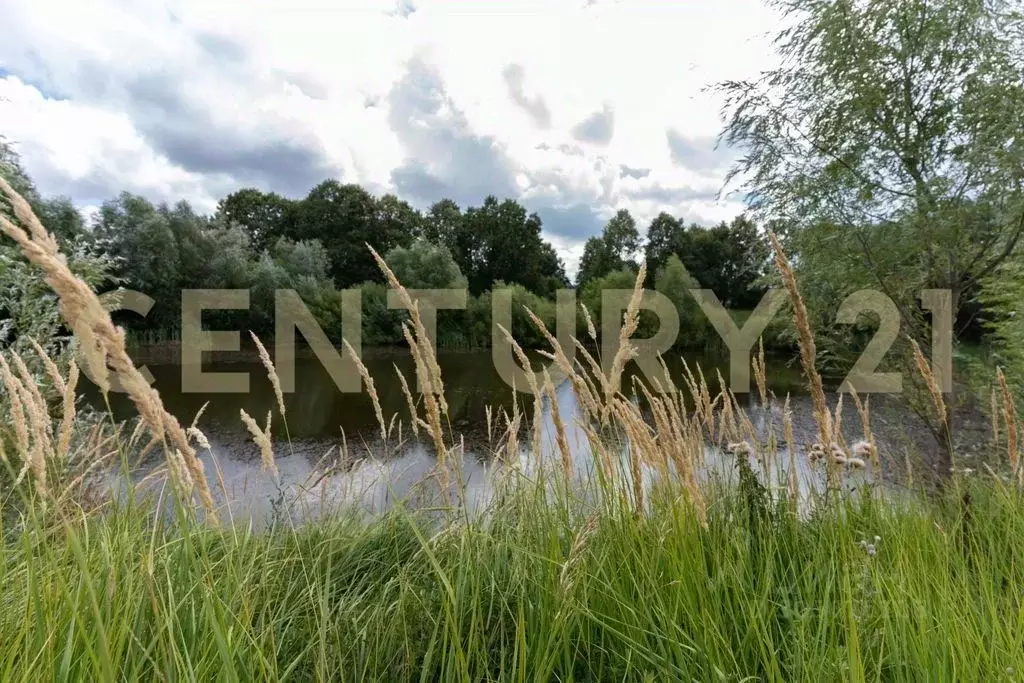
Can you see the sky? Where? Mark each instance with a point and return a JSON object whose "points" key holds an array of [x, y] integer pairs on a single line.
{"points": [[577, 108]]}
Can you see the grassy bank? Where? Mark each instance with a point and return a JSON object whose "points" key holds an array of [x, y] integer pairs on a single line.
{"points": [[535, 593]]}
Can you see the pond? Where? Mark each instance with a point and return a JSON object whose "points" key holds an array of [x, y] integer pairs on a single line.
{"points": [[324, 423]]}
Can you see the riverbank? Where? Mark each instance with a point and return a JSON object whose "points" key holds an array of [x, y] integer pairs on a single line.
{"points": [[536, 591]]}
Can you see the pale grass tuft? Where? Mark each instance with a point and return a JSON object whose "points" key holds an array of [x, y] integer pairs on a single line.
{"points": [[371, 389], [67, 423], [805, 337], [626, 351], [102, 343], [262, 439], [590, 322], [933, 386], [787, 426], [268, 364], [412, 404], [1011, 421], [560, 436]]}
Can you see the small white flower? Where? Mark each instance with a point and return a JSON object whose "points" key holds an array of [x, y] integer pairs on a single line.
{"points": [[870, 549]]}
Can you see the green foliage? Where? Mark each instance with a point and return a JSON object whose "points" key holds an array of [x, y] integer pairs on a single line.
{"points": [[534, 592], [613, 250], [889, 144], [675, 282], [425, 266]]}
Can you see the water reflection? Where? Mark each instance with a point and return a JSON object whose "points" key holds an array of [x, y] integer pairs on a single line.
{"points": [[373, 474]]}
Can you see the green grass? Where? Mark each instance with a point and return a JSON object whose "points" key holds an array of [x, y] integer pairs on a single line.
{"points": [[532, 592]]}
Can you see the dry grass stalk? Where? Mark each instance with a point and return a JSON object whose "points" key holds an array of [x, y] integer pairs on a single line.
{"points": [[538, 392], [430, 401], [787, 426], [805, 337], [864, 410], [760, 373], [51, 368], [422, 339], [994, 417], [262, 439], [268, 364], [639, 440], [371, 389], [925, 370], [626, 351], [412, 405], [1010, 420], [590, 322], [16, 409], [583, 389], [102, 342], [561, 441], [67, 422]]}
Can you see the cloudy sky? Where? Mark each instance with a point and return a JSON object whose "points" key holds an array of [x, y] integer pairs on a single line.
{"points": [[577, 108]]}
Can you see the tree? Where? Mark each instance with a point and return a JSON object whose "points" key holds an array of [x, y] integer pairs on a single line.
{"points": [[345, 219], [614, 250], [891, 132], [264, 215], [141, 237], [665, 236], [890, 144], [674, 282], [425, 266]]}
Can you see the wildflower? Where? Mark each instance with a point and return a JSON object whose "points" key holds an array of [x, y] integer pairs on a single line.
{"points": [[739, 448], [862, 449]]}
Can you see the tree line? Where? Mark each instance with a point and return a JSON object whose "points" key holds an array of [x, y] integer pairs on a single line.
{"points": [[317, 245]]}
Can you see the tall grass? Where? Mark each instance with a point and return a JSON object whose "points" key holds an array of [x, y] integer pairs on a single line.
{"points": [[643, 569]]}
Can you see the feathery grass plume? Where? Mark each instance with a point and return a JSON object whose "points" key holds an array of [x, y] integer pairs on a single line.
{"points": [[422, 338], [1010, 420], [561, 439], [262, 439], [67, 422], [489, 418], [16, 408], [805, 337], [787, 426], [371, 389], [412, 404], [538, 393], [102, 342], [51, 368], [430, 402], [864, 410], [659, 453], [994, 417], [582, 389], [910, 468], [598, 376], [268, 365], [604, 458], [35, 396], [933, 386], [199, 437], [639, 440], [760, 374], [727, 429], [512, 443], [626, 350], [591, 330]]}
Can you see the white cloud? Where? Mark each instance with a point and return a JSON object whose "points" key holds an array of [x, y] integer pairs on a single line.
{"points": [[571, 104]]}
